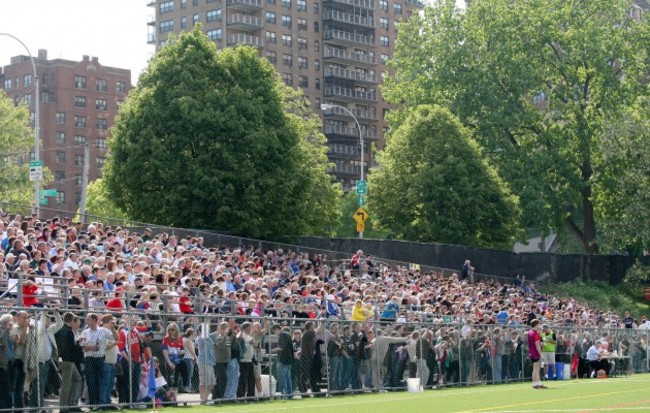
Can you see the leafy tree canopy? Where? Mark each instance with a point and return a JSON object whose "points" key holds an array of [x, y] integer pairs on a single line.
{"points": [[537, 80], [16, 140], [433, 185], [101, 206], [214, 140]]}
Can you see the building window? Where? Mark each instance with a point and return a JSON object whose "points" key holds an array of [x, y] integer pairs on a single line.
{"points": [[213, 16], [270, 1], [79, 160], [120, 87], [27, 80], [301, 5], [77, 198], [80, 101], [60, 198], [78, 180], [101, 144], [271, 56], [59, 157], [214, 35], [287, 60], [383, 40], [302, 24], [44, 79], [397, 8], [7, 85], [303, 81], [183, 22], [316, 27], [270, 17], [166, 26], [287, 78], [101, 124], [80, 121], [317, 45], [47, 97], [286, 21], [317, 65], [302, 62], [195, 19], [60, 118], [383, 57], [59, 176], [271, 37], [101, 85], [80, 140], [286, 40], [317, 83], [166, 7], [383, 22], [302, 43], [100, 161], [101, 104], [28, 99], [383, 4], [183, 4], [286, 4], [80, 82], [60, 138], [316, 8]]}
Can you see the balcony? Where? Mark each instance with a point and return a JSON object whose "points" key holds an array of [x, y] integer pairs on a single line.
{"points": [[349, 132], [245, 5], [344, 57], [338, 150], [347, 38], [347, 18], [364, 4], [339, 113], [245, 39], [151, 3], [348, 74], [151, 38], [151, 20], [345, 170], [244, 22], [341, 93]]}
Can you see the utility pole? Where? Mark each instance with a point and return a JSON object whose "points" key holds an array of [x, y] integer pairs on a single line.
{"points": [[84, 183]]}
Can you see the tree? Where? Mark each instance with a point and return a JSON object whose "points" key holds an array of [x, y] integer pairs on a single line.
{"points": [[16, 140], [537, 81], [433, 185], [204, 142], [101, 206]]}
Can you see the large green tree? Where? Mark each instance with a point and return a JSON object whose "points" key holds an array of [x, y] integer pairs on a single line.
{"points": [[215, 140], [16, 140], [100, 205], [537, 80], [433, 184]]}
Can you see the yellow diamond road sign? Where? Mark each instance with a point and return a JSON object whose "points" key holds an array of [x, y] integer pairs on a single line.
{"points": [[361, 215]]}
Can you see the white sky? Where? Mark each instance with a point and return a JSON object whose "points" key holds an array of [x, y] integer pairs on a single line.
{"points": [[113, 30]]}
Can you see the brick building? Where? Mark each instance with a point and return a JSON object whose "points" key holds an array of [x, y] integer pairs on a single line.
{"points": [[334, 50], [79, 101]]}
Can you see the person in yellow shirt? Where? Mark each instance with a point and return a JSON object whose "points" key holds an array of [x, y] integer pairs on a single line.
{"points": [[359, 312]]}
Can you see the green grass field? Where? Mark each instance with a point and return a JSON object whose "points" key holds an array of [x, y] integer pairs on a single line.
{"points": [[623, 394]]}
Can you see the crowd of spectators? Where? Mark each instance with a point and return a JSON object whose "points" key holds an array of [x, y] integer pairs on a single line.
{"points": [[157, 300]]}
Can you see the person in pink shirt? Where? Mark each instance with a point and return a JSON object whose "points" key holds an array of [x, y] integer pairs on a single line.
{"points": [[535, 352]]}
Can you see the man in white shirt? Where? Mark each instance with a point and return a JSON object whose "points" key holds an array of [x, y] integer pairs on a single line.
{"points": [[645, 324], [93, 341]]}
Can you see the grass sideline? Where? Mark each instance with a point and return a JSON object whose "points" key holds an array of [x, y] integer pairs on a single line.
{"points": [[624, 394]]}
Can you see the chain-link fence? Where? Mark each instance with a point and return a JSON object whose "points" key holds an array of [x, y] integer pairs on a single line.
{"points": [[66, 360]]}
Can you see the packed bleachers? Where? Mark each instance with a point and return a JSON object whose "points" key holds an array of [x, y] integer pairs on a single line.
{"points": [[90, 310]]}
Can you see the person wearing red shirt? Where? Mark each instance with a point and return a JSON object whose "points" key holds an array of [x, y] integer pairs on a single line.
{"points": [[117, 302], [173, 350], [128, 343], [185, 302], [29, 293], [535, 352]]}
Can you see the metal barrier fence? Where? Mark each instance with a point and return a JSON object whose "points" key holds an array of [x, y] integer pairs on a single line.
{"points": [[50, 359]]}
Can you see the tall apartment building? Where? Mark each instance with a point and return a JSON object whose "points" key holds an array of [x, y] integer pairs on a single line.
{"points": [[79, 101], [334, 50]]}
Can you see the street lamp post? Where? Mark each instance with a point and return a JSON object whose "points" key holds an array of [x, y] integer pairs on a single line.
{"points": [[327, 106], [37, 116]]}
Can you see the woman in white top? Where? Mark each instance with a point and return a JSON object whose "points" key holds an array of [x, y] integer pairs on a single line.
{"points": [[189, 358]]}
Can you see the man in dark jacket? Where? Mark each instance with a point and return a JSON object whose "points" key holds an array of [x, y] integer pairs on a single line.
{"points": [[285, 359], [71, 355]]}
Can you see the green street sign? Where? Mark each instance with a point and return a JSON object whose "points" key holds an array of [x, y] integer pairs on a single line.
{"points": [[33, 164], [44, 201], [48, 192], [362, 188]]}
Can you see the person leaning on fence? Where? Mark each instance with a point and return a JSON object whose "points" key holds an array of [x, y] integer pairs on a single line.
{"points": [[110, 360], [128, 382], [68, 348], [221, 341], [284, 351], [246, 343], [46, 328], [6, 360]]}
